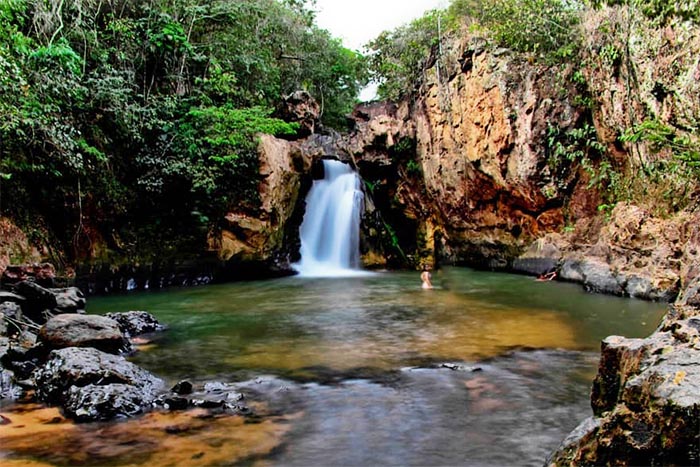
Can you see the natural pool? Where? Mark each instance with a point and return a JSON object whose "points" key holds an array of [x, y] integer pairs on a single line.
{"points": [[487, 369]]}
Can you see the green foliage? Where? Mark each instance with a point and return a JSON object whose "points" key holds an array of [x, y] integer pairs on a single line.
{"points": [[153, 108], [610, 55], [397, 57], [580, 147], [543, 27], [660, 12], [413, 167], [675, 170], [546, 29], [685, 148]]}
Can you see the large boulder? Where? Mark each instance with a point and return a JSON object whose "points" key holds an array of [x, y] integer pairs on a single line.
{"points": [[75, 330], [595, 275], [68, 300], [94, 385], [105, 402], [134, 323], [38, 300], [646, 400]]}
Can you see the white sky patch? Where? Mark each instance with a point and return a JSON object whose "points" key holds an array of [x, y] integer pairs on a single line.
{"points": [[357, 22]]}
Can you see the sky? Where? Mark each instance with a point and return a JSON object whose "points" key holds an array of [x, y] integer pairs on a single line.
{"points": [[357, 22]]}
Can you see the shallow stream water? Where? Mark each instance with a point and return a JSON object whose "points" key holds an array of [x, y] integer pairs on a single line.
{"points": [[485, 370]]}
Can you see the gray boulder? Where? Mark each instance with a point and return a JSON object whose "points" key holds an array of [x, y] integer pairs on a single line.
{"points": [[88, 384], [74, 330], [105, 402], [68, 300], [595, 275], [646, 400], [134, 323]]}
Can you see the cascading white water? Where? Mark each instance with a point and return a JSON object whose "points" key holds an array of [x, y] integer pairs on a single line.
{"points": [[330, 231]]}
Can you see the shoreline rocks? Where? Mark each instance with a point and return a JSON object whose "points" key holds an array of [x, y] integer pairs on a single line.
{"points": [[74, 330], [72, 359], [94, 385], [633, 254], [645, 400]]}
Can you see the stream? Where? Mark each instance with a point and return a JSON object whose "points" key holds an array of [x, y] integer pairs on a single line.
{"points": [[487, 369]]}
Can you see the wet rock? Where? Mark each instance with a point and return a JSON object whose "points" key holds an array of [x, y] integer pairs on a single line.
{"points": [[175, 403], [595, 275], [10, 318], [43, 274], [134, 323], [8, 388], [534, 266], [214, 395], [74, 330], [38, 300], [182, 387], [90, 368], [69, 300], [105, 402], [646, 400], [20, 354]]}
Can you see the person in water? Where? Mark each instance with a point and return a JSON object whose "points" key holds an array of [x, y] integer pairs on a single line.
{"points": [[425, 277], [547, 276]]}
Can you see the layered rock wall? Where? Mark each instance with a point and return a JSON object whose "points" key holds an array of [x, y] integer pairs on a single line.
{"points": [[476, 174]]}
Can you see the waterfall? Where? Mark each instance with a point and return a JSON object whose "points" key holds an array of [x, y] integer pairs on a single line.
{"points": [[330, 231]]}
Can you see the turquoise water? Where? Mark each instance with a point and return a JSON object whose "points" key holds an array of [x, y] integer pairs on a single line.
{"points": [[486, 369]]}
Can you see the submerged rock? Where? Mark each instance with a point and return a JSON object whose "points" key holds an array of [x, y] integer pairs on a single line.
{"points": [[93, 385], [74, 330], [134, 323]]}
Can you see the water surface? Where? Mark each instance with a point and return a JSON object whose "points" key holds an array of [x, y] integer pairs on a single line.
{"points": [[486, 369]]}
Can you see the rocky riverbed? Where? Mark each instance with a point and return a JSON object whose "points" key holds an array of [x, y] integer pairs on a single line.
{"points": [[52, 352], [645, 397]]}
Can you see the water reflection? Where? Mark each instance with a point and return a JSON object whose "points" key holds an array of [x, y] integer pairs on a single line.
{"points": [[353, 368], [384, 321]]}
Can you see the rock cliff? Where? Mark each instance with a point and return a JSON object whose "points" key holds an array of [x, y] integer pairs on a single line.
{"points": [[645, 400]]}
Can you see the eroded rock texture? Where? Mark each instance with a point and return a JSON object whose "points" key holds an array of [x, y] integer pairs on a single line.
{"points": [[470, 155], [645, 399], [93, 385]]}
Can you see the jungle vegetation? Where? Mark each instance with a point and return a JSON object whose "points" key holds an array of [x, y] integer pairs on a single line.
{"points": [[140, 116], [550, 33]]}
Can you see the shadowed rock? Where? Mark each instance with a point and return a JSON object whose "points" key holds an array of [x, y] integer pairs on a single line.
{"points": [[37, 301], [646, 400], [69, 300]]}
